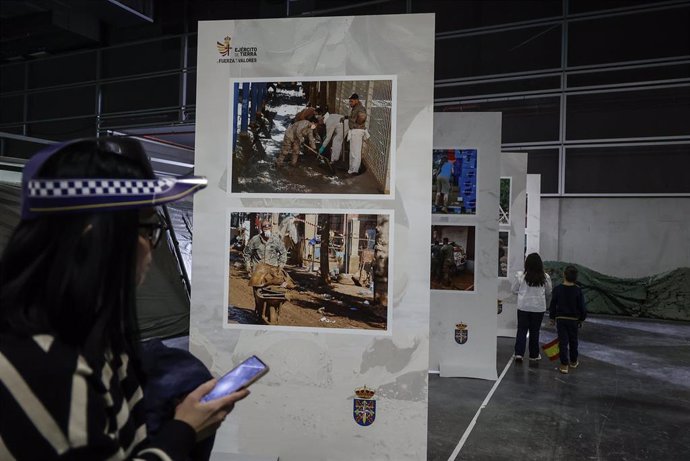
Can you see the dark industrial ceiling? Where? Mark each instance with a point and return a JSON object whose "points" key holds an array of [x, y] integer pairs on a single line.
{"points": [[37, 28]]}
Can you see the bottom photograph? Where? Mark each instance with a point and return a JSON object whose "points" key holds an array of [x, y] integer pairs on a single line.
{"points": [[452, 257], [314, 270]]}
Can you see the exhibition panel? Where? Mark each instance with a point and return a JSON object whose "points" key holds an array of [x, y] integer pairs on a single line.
{"points": [[513, 166], [463, 246], [533, 222], [310, 245]]}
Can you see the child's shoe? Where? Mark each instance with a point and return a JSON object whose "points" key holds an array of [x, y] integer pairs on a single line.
{"points": [[518, 358], [574, 364], [563, 369]]}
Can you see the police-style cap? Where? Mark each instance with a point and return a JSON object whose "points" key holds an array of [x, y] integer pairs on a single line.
{"points": [[43, 195], [354, 96]]}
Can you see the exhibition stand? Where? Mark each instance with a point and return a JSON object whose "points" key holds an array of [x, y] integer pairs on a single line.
{"points": [[345, 331], [533, 229], [511, 236], [463, 286]]}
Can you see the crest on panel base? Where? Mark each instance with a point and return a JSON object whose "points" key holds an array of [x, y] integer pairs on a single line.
{"points": [[364, 406], [461, 333]]}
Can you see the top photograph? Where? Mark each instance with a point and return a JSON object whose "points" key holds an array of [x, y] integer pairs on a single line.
{"points": [[313, 137]]}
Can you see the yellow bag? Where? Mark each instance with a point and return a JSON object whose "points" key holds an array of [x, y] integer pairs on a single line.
{"points": [[551, 349]]}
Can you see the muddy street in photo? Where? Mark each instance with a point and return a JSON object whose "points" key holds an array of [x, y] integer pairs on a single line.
{"points": [[257, 150], [309, 304]]}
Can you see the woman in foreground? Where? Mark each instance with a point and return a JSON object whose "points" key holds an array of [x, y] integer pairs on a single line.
{"points": [[70, 375]]}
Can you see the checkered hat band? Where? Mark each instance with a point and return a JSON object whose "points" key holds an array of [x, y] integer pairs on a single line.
{"points": [[98, 187]]}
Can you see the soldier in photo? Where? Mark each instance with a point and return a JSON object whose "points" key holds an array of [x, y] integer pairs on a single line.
{"points": [[335, 129], [436, 261], [295, 135], [443, 183], [357, 133], [264, 257], [448, 261], [265, 248], [307, 113]]}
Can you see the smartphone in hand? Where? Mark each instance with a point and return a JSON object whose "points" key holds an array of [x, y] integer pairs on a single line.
{"points": [[238, 378]]}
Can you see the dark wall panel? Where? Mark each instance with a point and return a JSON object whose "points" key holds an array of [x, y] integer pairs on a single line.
{"points": [[488, 88], [12, 77], [64, 70], [545, 163], [62, 103], [191, 88], [657, 73], [336, 7], [142, 94], [20, 149], [142, 58], [593, 6], [192, 50], [630, 37], [627, 114], [471, 14], [524, 120], [64, 130], [534, 48], [628, 170], [12, 109]]}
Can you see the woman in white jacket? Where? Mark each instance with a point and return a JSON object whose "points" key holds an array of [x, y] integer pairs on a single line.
{"points": [[533, 288]]}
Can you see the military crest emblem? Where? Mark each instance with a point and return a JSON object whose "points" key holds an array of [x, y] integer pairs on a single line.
{"points": [[364, 406], [500, 306], [224, 47], [461, 333]]}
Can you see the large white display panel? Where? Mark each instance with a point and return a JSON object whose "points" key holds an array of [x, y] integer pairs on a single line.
{"points": [[304, 408], [513, 166], [463, 321]]}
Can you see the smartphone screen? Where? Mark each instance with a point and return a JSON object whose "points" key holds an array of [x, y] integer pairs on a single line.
{"points": [[241, 376]]}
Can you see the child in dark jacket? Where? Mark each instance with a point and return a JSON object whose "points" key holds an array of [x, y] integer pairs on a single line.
{"points": [[568, 310]]}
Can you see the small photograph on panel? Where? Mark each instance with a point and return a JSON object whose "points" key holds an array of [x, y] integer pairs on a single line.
{"points": [[330, 136], [503, 237], [504, 201], [452, 258], [314, 270], [454, 181]]}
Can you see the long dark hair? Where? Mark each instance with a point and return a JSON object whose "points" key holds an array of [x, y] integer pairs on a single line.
{"points": [[534, 270], [74, 275]]}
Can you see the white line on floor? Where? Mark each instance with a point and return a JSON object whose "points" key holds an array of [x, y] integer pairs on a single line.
{"points": [[462, 441]]}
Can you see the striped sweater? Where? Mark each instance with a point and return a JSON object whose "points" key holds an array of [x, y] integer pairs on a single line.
{"points": [[55, 405]]}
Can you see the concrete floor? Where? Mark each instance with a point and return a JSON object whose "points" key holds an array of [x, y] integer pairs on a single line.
{"points": [[628, 400]]}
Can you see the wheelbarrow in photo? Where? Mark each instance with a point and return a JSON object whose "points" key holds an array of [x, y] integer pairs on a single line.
{"points": [[270, 286]]}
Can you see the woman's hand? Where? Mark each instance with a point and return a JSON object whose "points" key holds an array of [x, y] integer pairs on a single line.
{"points": [[206, 417]]}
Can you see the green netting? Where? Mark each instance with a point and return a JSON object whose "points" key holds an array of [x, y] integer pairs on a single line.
{"points": [[661, 296]]}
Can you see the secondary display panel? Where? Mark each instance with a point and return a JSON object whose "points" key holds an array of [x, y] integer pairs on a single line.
{"points": [[463, 269], [513, 168], [533, 229]]}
